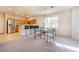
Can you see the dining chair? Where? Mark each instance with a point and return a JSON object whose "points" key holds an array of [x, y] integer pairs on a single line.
{"points": [[50, 34]]}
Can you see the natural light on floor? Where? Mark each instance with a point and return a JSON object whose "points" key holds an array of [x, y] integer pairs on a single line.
{"points": [[67, 46]]}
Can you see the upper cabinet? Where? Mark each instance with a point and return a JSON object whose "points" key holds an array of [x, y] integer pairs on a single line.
{"points": [[32, 21]]}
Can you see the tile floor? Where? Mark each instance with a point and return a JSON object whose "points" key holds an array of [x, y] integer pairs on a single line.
{"points": [[18, 43]]}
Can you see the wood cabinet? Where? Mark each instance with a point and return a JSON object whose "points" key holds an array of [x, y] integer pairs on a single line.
{"points": [[26, 21], [20, 21]]}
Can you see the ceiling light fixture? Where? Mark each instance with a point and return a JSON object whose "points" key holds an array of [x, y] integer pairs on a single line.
{"points": [[23, 14], [51, 6]]}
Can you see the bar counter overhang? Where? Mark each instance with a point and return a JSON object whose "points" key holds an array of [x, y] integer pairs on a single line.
{"points": [[27, 29]]}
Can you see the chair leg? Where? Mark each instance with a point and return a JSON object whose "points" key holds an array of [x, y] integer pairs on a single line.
{"points": [[53, 38], [40, 36], [47, 39]]}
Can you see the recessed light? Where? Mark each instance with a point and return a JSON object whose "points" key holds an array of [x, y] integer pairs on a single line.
{"points": [[23, 14], [16, 13], [27, 16], [10, 8]]}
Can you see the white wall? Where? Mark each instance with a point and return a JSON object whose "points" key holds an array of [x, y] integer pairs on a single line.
{"points": [[64, 23], [2, 23], [75, 23]]}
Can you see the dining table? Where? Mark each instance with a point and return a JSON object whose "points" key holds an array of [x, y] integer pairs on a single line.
{"points": [[44, 32]]}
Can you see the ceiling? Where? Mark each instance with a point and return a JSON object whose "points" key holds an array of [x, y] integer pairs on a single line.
{"points": [[32, 10]]}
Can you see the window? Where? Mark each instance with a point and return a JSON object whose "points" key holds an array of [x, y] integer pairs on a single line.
{"points": [[51, 22]]}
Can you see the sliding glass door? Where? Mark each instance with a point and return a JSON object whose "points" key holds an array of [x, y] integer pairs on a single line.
{"points": [[51, 22]]}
